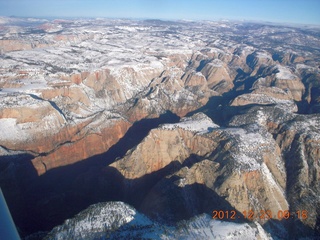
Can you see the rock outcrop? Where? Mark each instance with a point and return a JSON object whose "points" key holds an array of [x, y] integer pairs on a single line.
{"points": [[115, 220], [242, 166]]}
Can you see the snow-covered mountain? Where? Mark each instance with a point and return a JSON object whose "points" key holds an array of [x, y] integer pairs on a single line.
{"points": [[116, 220]]}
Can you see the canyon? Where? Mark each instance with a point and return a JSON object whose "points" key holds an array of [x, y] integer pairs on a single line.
{"points": [[174, 118]]}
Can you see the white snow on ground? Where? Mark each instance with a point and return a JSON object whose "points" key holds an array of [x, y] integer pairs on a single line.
{"points": [[303, 66], [9, 130], [264, 55], [199, 123], [27, 86], [247, 139], [204, 227], [310, 124], [215, 50], [117, 220], [285, 73], [14, 132], [16, 100], [93, 220], [263, 99], [249, 147], [216, 63], [308, 127], [199, 74], [244, 160]]}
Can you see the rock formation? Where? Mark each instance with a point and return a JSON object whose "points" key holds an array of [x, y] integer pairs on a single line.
{"points": [[117, 220]]}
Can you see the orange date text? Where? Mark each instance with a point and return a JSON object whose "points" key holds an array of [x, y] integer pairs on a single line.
{"points": [[256, 215]]}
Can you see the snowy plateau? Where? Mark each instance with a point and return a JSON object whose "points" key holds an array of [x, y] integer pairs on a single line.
{"points": [[140, 129]]}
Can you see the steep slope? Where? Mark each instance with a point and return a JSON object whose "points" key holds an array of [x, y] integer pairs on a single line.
{"points": [[223, 160], [114, 220], [298, 139]]}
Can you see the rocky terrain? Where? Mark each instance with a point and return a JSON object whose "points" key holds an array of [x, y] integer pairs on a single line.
{"points": [[116, 220], [177, 119]]}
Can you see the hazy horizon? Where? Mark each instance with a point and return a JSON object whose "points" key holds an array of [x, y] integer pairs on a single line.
{"points": [[283, 11]]}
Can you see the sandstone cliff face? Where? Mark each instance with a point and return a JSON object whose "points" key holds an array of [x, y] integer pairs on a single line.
{"points": [[241, 166], [27, 121], [159, 149], [281, 77], [299, 140], [261, 148], [41, 128], [267, 96], [14, 45], [288, 58], [297, 137], [82, 147], [217, 76], [258, 59], [66, 121]]}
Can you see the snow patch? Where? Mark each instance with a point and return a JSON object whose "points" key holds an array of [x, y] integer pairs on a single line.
{"points": [[285, 73], [199, 123], [10, 131]]}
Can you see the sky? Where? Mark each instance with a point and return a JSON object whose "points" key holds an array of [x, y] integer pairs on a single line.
{"points": [[282, 11]]}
